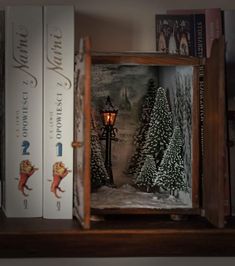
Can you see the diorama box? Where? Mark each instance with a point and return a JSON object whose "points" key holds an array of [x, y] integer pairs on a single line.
{"points": [[137, 134]]}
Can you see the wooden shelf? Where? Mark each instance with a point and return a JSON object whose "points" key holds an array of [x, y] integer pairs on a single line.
{"points": [[116, 236]]}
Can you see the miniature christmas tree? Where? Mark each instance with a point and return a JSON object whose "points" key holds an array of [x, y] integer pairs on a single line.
{"points": [[187, 155], [171, 174], [148, 102], [160, 127], [148, 172], [99, 174], [141, 132], [183, 118]]}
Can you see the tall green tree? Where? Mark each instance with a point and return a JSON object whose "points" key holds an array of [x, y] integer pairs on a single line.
{"points": [[158, 136], [183, 117], [160, 127], [144, 117], [171, 174]]}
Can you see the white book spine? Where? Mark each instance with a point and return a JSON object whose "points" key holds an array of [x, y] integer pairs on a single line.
{"points": [[58, 111], [23, 112]]}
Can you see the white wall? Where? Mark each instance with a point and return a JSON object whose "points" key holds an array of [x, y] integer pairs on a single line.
{"points": [[119, 25]]}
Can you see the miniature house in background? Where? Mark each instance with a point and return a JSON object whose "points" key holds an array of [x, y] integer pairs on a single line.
{"points": [[155, 152]]}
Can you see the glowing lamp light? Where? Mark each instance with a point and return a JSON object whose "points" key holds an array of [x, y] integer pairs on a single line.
{"points": [[109, 118], [109, 113]]}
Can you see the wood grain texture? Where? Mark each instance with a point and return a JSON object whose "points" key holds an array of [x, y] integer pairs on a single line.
{"points": [[134, 236], [214, 136], [143, 58], [137, 211], [87, 133]]}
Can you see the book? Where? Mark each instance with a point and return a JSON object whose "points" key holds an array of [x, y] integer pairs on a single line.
{"points": [[213, 23], [199, 35], [58, 111], [23, 112], [174, 34]]}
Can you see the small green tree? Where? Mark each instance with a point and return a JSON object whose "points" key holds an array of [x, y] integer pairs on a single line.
{"points": [[171, 173], [99, 174], [148, 172]]}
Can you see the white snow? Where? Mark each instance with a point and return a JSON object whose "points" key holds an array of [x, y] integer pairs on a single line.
{"points": [[127, 196]]}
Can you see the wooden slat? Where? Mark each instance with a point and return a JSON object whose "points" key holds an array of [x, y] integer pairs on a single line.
{"points": [[81, 144], [126, 237], [214, 136], [143, 58], [145, 211], [87, 132]]}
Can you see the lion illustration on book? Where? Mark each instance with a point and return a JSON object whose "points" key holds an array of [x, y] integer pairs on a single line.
{"points": [[59, 172], [26, 170]]}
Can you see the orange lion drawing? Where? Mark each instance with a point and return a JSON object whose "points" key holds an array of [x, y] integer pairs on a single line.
{"points": [[59, 172], [26, 170]]}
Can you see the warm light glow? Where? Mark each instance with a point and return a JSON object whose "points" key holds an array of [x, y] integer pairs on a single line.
{"points": [[109, 118], [109, 113]]}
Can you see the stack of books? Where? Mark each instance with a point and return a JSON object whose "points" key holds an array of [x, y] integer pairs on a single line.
{"points": [[39, 70], [188, 31]]}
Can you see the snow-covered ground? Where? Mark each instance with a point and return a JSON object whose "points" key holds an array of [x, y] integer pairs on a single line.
{"points": [[127, 196]]}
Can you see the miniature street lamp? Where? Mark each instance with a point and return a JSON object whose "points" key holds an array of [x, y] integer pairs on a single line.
{"points": [[108, 114]]}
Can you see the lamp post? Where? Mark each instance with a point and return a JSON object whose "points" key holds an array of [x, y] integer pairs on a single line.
{"points": [[109, 114]]}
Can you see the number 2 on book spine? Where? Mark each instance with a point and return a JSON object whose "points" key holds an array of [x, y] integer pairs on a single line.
{"points": [[59, 149], [25, 146]]}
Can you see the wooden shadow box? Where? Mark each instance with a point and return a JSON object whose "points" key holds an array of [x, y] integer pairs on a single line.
{"points": [[156, 152]]}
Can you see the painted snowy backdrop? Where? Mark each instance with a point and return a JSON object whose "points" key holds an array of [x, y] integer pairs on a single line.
{"points": [[153, 151]]}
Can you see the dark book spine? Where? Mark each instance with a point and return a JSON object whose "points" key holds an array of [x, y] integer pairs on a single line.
{"points": [[200, 35], [200, 51]]}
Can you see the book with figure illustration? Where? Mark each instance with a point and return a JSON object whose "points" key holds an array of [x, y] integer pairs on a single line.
{"points": [[175, 34], [23, 112], [58, 111]]}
